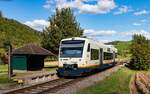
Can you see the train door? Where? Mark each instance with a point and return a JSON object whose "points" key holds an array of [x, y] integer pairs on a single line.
{"points": [[101, 56], [114, 57], [88, 53]]}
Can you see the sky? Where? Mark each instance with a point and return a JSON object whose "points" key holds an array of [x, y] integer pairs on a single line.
{"points": [[103, 20]]}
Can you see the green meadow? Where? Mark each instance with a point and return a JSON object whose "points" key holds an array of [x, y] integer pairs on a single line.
{"points": [[117, 83]]}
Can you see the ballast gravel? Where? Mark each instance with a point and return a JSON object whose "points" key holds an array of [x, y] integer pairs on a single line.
{"points": [[91, 80]]}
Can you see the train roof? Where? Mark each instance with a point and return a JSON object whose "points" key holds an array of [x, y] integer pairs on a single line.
{"points": [[110, 48], [76, 38], [106, 48]]}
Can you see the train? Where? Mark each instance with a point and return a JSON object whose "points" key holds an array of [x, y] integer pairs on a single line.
{"points": [[79, 56]]}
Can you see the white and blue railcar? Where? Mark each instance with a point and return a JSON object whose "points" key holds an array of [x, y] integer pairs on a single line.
{"points": [[80, 56]]}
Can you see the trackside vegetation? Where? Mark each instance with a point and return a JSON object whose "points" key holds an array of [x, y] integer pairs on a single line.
{"points": [[140, 51], [117, 83], [4, 79], [3, 68]]}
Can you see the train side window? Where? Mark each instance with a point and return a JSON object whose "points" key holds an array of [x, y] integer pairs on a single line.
{"points": [[88, 49], [94, 54], [108, 56], [115, 55]]}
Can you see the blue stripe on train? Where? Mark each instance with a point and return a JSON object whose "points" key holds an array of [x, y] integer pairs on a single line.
{"points": [[80, 71], [73, 71]]}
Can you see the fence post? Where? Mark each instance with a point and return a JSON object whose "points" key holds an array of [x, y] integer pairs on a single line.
{"points": [[10, 71]]}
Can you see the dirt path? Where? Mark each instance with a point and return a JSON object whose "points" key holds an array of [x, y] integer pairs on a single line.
{"points": [[140, 83], [132, 86]]}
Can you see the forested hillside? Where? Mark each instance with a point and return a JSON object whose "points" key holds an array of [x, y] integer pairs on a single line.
{"points": [[18, 34], [12, 31]]}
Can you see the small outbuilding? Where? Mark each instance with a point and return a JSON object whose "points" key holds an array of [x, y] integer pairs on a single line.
{"points": [[29, 57]]}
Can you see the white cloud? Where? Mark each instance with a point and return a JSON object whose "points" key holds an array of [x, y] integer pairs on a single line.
{"points": [[139, 32], [122, 10], [101, 35], [38, 24], [101, 6], [137, 24], [97, 33], [140, 22], [48, 4], [144, 20], [109, 35], [142, 12]]}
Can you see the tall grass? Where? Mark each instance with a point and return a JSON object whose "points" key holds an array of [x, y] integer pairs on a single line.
{"points": [[117, 83]]}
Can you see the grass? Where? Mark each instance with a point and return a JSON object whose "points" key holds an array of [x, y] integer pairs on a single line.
{"points": [[3, 68], [3, 75], [123, 49], [4, 79], [49, 66], [6, 83], [117, 83]]}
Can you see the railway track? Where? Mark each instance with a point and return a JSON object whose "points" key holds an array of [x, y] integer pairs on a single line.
{"points": [[46, 87]]}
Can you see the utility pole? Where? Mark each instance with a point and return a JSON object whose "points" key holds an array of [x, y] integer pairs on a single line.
{"points": [[10, 71]]}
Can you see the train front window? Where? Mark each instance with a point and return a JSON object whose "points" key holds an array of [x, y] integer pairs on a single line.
{"points": [[71, 52], [72, 48]]}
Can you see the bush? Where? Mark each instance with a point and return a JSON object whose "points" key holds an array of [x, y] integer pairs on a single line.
{"points": [[140, 50]]}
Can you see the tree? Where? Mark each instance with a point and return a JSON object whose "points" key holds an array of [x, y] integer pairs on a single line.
{"points": [[63, 24], [1, 15], [140, 50]]}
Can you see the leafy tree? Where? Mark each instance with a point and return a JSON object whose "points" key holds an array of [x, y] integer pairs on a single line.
{"points": [[140, 50], [62, 25]]}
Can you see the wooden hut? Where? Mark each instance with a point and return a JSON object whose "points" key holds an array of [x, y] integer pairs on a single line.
{"points": [[29, 57]]}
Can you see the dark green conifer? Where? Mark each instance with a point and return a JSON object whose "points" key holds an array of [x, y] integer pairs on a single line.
{"points": [[140, 50], [1, 15], [62, 25]]}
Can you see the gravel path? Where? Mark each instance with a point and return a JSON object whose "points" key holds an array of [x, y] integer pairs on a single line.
{"points": [[91, 80]]}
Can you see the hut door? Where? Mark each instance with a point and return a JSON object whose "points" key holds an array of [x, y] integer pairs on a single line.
{"points": [[19, 62]]}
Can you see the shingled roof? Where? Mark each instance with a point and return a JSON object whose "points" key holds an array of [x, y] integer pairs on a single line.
{"points": [[31, 49]]}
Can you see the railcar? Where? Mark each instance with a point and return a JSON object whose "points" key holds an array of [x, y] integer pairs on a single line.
{"points": [[81, 56]]}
